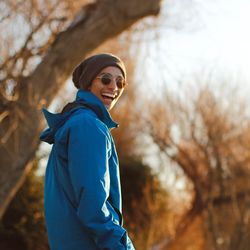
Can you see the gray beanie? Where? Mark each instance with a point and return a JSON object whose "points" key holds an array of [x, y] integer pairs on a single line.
{"points": [[87, 70]]}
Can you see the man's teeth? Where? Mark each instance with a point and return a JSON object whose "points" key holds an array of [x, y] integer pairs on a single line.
{"points": [[109, 95]]}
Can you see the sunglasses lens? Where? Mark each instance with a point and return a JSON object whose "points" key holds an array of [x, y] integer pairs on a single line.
{"points": [[120, 83], [106, 80]]}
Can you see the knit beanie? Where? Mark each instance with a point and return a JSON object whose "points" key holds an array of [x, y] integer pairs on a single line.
{"points": [[87, 70]]}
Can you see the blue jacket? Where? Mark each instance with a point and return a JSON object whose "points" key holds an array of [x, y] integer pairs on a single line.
{"points": [[82, 182]]}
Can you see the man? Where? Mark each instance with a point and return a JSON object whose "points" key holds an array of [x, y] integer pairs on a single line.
{"points": [[82, 182]]}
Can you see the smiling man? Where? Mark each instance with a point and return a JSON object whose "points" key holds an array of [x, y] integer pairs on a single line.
{"points": [[82, 182]]}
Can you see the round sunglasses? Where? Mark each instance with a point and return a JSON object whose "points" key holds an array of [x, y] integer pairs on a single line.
{"points": [[107, 78]]}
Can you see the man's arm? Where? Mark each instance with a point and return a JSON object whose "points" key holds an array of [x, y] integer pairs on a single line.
{"points": [[89, 149]]}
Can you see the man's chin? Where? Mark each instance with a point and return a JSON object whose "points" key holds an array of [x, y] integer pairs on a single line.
{"points": [[110, 105]]}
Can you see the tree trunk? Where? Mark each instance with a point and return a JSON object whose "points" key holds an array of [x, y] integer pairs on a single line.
{"points": [[19, 129]]}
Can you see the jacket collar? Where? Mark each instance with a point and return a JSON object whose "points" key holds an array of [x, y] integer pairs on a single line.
{"points": [[88, 98]]}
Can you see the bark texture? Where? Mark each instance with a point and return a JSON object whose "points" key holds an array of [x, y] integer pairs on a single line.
{"points": [[20, 128]]}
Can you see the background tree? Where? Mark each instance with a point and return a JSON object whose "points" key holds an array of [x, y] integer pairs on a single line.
{"points": [[208, 139], [46, 61]]}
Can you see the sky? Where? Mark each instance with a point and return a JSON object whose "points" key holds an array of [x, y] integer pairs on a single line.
{"points": [[197, 36]]}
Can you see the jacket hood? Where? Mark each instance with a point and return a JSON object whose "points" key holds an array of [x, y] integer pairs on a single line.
{"points": [[83, 99]]}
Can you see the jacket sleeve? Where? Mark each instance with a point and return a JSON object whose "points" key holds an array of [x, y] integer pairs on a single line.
{"points": [[88, 153]]}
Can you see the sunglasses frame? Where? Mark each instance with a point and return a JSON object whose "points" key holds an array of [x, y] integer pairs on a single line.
{"points": [[110, 77]]}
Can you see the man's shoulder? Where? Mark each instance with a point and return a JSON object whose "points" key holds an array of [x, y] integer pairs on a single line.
{"points": [[86, 119]]}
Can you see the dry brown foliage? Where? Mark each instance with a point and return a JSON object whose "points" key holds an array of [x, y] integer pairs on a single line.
{"points": [[208, 137]]}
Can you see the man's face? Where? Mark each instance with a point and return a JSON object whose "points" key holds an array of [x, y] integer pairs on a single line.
{"points": [[104, 86]]}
